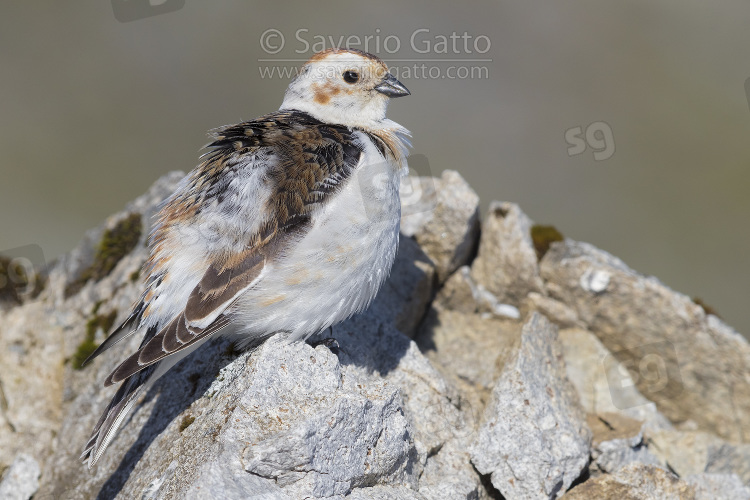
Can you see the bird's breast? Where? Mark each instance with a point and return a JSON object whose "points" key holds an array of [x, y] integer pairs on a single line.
{"points": [[336, 268]]}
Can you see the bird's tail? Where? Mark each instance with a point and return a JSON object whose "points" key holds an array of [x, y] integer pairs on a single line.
{"points": [[115, 414]]}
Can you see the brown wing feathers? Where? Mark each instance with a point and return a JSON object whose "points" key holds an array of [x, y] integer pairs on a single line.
{"points": [[315, 159]]}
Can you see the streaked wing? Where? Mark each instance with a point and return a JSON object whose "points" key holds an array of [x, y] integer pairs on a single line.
{"points": [[314, 161], [219, 287], [126, 329]]}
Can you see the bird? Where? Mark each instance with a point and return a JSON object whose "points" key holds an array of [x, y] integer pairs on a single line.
{"points": [[288, 225]]}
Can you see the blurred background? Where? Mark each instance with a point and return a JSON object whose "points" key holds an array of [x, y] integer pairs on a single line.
{"points": [[624, 124]]}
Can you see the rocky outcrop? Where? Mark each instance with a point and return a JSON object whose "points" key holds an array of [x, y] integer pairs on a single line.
{"points": [[478, 372]]}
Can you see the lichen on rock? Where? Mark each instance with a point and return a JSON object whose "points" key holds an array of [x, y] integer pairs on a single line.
{"points": [[116, 242]]}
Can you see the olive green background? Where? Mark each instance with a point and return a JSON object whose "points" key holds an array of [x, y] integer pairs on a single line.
{"points": [[93, 110]]}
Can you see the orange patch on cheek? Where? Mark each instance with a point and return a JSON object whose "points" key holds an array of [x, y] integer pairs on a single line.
{"points": [[322, 94]]}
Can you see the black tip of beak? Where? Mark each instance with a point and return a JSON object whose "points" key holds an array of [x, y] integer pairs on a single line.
{"points": [[392, 87]]}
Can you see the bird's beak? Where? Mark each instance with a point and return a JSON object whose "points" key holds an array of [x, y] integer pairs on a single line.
{"points": [[392, 87]]}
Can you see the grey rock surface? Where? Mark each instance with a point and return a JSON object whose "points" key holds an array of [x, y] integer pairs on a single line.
{"points": [[506, 264], [444, 221], [617, 442], [21, 480], [409, 290], [714, 486], [634, 482], [465, 348], [686, 452], [730, 459], [461, 293], [533, 440], [690, 364], [31, 357], [586, 367]]}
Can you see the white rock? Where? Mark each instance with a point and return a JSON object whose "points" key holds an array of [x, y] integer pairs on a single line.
{"points": [[21, 480], [534, 440]]}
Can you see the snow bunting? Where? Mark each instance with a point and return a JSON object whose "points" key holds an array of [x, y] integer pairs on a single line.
{"points": [[289, 225]]}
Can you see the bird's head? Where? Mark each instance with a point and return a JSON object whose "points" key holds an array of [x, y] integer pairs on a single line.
{"points": [[345, 87]]}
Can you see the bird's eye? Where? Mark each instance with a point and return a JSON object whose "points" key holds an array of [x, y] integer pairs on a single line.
{"points": [[351, 76]]}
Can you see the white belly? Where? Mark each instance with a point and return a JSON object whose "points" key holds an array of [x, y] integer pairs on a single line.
{"points": [[337, 268]]}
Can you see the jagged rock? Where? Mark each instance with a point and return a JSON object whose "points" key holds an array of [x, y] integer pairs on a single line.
{"points": [[461, 293], [534, 440], [444, 221], [451, 475], [286, 421], [557, 312], [31, 380], [585, 366], [730, 459], [716, 486], [617, 441], [39, 339], [685, 452], [21, 480], [385, 493], [634, 482], [465, 348], [506, 264], [692, 366], [410, 288]]}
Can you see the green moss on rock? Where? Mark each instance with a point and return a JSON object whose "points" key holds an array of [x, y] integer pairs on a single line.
{"points": [[15, 281], [89, 344], [186, 421], [115, 244], [9, 289], [543, 237]]}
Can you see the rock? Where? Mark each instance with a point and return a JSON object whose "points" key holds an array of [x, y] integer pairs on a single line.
{"points": [[385, 493], [286, 421], [691, 365], [557, 312], [21, 480], [451, 475], [461, 293], [714, 486], [409, 289], [465, 349], [506, 264], [685, 452], [730, 459], [617, 441], [445, 221], [31, 381], [584, 362], [634, 482], [533, 402]]}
